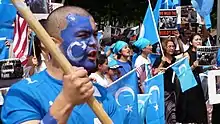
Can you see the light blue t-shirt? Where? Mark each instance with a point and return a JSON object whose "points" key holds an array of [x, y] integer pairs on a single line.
{"points": [[31, 98]]}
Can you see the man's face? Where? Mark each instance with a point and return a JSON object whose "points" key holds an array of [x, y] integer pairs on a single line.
{"points": [[79, 41]]}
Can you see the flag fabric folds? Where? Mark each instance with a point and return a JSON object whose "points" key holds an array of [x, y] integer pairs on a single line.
{"points": [[203, 7], [125, 91], [149, 27], [8, 13], [21, 44], [184, 74], [208, 23], [157, 11], [142, 103], [153, 58], [154, 88]]}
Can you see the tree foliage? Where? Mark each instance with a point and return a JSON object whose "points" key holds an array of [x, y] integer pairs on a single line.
{"points": [[120, 12]]}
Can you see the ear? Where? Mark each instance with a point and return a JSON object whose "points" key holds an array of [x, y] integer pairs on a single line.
{"points": [[99, 66]]}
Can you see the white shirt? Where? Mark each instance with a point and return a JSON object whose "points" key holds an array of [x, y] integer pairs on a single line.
{"points": [[185, 46], [101, 81], [140, 61]]}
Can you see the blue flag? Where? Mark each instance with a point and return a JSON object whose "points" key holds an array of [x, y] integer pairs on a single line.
{"points": [[149, 27], [185, 74], [153, 58], [125, 91], [142, 103], [8, 13], [154, 87], [4, 50], [203, 7], [167, 4], [218, 58], [157, 11], [176, 2], [208, 23]]}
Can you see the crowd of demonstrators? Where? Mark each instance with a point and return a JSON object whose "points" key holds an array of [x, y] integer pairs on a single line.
{"points": [[192, 104], [51, 96]]}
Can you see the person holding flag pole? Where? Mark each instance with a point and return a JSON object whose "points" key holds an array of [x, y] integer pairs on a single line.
{"points": [[161, 64], [192, 104], [56, 95]]}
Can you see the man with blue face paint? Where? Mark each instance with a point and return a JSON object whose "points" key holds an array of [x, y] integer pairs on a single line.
{"points": [[51, 96]]}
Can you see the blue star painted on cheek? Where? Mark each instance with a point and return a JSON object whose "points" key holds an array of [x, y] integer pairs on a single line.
{"points": [[77, 48]]}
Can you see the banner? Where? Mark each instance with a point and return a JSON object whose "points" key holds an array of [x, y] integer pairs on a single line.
{"points": [[206, 55], [214, 86], [38, 6], [168, 22]]}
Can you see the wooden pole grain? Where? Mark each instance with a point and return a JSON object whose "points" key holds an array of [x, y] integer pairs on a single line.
{"points": [[57, 55]]}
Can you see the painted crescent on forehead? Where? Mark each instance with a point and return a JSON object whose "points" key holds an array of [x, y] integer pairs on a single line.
{"points": [[75, 18]]}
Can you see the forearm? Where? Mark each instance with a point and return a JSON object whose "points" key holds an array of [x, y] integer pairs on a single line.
{"points": [[61, 109]]}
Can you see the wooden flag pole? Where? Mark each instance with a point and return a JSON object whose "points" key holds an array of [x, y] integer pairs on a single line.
{"points": [[57, 55]]}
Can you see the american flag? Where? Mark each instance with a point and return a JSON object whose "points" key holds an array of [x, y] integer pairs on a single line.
{"points": [[21, 44], [141, 71]]}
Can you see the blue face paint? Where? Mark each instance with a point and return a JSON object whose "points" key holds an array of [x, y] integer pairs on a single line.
{"points": [[79, 43]]}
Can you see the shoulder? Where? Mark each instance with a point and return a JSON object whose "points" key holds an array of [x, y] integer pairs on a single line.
{"points": [[23, 100], [93, 75], [139, 61], [30, 83]]}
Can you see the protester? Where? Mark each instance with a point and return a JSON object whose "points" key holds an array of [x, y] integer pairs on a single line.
{"points": [[123, 53], [36, 59], [113, 72], [143, 49], [169, 84], [52, 96], [191, 103], [101, 69]]}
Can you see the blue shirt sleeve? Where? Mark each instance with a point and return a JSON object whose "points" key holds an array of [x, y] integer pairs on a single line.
{"points": [[20, 105]]}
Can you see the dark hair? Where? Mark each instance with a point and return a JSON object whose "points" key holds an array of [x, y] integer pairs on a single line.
{"points": [[38, 44], [193, 35], [135, 49], [101, 60]]}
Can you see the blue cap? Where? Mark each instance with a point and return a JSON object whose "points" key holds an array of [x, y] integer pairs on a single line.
{"points": [[118, 46], [141, 43], [113, 64]]}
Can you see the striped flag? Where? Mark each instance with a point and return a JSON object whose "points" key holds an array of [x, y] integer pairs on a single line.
{"points": [[141, 73], [21, 44]]}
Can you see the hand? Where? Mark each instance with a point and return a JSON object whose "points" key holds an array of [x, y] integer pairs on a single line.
{"points": [[196, 64], [93, 79], [177, 34], [7, 43], [77, 87], [34, 61], [162, 69]]}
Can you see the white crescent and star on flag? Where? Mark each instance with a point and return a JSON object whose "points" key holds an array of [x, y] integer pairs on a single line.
{"points": [[125, 89]]}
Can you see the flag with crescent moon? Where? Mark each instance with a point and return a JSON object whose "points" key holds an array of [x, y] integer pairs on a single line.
{"points": [[149, 27], [184, 74], [125, 92], [154, 88]]}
